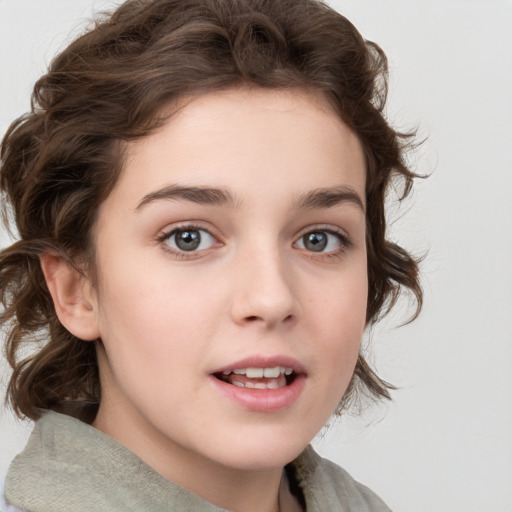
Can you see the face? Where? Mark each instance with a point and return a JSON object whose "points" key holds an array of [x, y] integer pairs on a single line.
{"points": [[232, 281]]}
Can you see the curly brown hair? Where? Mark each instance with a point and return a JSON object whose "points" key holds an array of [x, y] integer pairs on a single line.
{"points": [[112, 84]]}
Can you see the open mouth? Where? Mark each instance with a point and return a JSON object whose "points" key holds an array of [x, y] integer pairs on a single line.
{"points": [[258, 378]]}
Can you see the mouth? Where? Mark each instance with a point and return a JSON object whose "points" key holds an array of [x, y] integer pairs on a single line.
{"points": [[274, 377], [261, 384]]}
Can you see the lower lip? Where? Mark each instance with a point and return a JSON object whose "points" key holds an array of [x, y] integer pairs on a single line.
{"points": [[262, 400]]}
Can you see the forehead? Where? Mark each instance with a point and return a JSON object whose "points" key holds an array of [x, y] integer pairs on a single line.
{"points": [[247, 138]]}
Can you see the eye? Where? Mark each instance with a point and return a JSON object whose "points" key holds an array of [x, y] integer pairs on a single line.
{"points": [[322, 241], [189, 239]]}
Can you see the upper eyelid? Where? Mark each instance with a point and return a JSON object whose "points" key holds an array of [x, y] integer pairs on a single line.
{"points": [[330, 228], [181, 226]]}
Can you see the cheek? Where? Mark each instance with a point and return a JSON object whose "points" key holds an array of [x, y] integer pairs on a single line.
{"points": [[341, 323], [154, 315]]}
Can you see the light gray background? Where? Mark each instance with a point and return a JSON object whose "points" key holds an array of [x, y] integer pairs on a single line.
{"points": [[445, 443]]}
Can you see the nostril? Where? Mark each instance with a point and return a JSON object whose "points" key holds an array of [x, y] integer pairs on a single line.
{"points": [[256, 318]]}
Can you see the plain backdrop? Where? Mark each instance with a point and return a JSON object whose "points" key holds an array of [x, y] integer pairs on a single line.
{"points": [[445, 443]]}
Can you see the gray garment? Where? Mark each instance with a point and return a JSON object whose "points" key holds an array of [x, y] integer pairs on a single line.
{"points": [[69, 466]]}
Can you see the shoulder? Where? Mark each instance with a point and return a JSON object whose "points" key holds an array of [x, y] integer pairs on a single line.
{"points": [[327, 486]]}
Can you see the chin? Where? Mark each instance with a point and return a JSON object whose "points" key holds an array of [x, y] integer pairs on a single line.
{"points": [[264, 453]]}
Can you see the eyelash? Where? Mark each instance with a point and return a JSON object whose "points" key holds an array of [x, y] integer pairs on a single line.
{"points": [[345, 242], [180, 228]]}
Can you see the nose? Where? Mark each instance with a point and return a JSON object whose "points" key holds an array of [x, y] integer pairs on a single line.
{"points": [[264, 291]]}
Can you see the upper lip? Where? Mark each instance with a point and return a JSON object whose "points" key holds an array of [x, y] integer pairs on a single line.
{"points": [[264, 362]]}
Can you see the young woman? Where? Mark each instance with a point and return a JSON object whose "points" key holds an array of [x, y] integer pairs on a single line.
{"points": [[199, 194]]}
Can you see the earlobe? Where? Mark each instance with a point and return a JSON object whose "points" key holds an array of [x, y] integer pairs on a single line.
{"points": [[72, 297]]}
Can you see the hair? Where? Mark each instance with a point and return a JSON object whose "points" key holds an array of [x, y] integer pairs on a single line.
{"points": [[114, 84]]}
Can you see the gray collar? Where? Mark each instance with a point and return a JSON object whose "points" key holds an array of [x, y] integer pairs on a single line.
{"points": [[69, 465]]}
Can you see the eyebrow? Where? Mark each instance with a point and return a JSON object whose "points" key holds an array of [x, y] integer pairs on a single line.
{"points": [[200, 195], [314, 199], [329, 197]]}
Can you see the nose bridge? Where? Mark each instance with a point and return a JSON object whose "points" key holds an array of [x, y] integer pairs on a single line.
{"points": [[264, 290]]}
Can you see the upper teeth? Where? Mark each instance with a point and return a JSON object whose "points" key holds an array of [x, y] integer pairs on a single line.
{"points": [[258, 373]]}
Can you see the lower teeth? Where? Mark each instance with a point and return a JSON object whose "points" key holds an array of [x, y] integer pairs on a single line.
{"points": [[273, 384], [260, 383]]}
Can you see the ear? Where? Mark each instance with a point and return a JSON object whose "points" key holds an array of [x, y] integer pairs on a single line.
{"points": [[73, 297]]}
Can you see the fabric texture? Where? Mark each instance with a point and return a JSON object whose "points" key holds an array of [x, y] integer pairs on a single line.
{"points": [[6, 507], [69, 466]]}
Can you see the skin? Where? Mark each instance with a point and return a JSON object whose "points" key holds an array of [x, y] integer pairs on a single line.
{"points": [[168, 319]]}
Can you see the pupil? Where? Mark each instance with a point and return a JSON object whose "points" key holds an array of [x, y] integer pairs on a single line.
{"points": [[188, 240], [315, 242]]}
